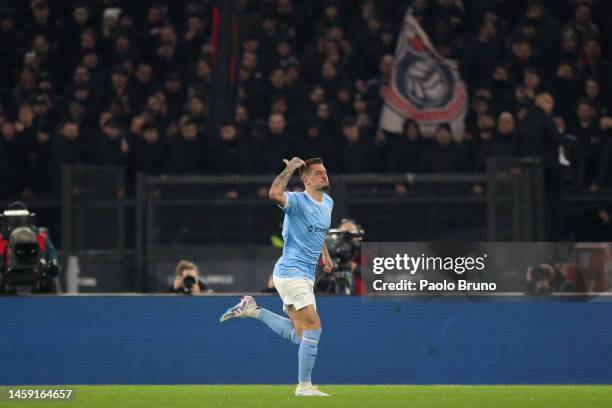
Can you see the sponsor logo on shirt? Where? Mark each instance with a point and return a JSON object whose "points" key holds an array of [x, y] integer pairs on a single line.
{"points": [[312, 228]]}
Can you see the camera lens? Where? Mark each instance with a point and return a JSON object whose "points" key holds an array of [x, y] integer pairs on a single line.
{"points": [[188, 282]]}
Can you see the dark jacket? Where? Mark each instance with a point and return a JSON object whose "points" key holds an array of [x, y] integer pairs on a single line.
{"points": [[499, 146], [108, 152], [357, 157], [448, 159], [232, 157], [537, 136], [271, 149], [149, 157], [592, 146], [405, 155], [187, 156]]}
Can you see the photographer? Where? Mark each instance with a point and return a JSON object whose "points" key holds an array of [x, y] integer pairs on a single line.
{"points": [[28, 257], [344, 245], [187, 279], [546, 278]]}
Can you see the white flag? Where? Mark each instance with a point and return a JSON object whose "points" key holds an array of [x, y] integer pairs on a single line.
{"points": [[424, 86]]}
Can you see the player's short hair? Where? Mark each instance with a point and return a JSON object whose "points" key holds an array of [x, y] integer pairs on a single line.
{"points": [[306, 169], [183, 266]]}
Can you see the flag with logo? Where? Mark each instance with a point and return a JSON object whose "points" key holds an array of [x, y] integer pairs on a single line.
{"points": [[424, 86]]}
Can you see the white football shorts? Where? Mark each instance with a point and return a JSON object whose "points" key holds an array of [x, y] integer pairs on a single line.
{"points": [[298, 292]]}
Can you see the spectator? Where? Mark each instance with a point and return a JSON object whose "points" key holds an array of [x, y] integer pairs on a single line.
{"points": [[231, 154], [569, 47], [142, 85], [481, 55], [187, 280], [602, 179], [573, 174], [42, 21], [149, 152], [174, 92], [157, 108], [110, 145], [498, 143], [537, 136], [357, 153], [9, 48], [565, 89], [406, 150], [599, 101], [187, 152], [118, 95], [530, 86], [522, 57], [314, 142], [546, 278], [374, 85], [586, 130], [66, 147], [343, 106], [274, 146], [444, 155], [12, 170], [150, 68], [581, 26], [196, 109], [542, 29], [502, 92], [593, 65]]}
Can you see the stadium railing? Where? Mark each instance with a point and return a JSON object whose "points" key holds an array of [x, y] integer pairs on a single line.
{"points": [[168, 216]]}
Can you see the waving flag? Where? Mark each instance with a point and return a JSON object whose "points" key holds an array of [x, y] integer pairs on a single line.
{"points": [[424, 86]]}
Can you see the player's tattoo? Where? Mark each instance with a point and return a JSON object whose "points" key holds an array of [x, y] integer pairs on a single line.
{"points": [[280, 182]]}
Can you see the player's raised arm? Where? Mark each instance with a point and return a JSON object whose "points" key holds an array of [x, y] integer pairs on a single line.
{"points": [[280, 182]]}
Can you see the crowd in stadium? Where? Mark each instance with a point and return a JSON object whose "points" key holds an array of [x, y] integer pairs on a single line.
{"points": [[115, 82]]}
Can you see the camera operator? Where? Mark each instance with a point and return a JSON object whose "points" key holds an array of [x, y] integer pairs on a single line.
{"points": [[344, 245], [27, 256], [546, 278], [187, 279]]}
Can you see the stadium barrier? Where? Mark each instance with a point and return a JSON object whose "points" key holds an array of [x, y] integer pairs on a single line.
{"points": [[131, 244], [178, 340]]}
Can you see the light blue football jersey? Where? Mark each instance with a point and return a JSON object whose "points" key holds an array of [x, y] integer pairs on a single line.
{"points": [[304, 229]]}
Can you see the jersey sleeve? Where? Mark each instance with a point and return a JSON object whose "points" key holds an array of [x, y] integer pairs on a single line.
{"points": [[291, 204]]}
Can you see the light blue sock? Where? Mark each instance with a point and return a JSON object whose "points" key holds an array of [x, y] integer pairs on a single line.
{"points": [[279, 325], [307, 354]]}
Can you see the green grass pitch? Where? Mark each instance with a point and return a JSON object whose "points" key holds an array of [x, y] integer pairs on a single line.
{"points": [[378, 396]]}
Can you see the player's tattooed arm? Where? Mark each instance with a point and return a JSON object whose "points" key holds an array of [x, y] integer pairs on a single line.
{"points": [[280, 182]]}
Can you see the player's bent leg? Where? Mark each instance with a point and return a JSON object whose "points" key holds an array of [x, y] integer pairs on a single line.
{"points": [[279, 325], [247, 307]]}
